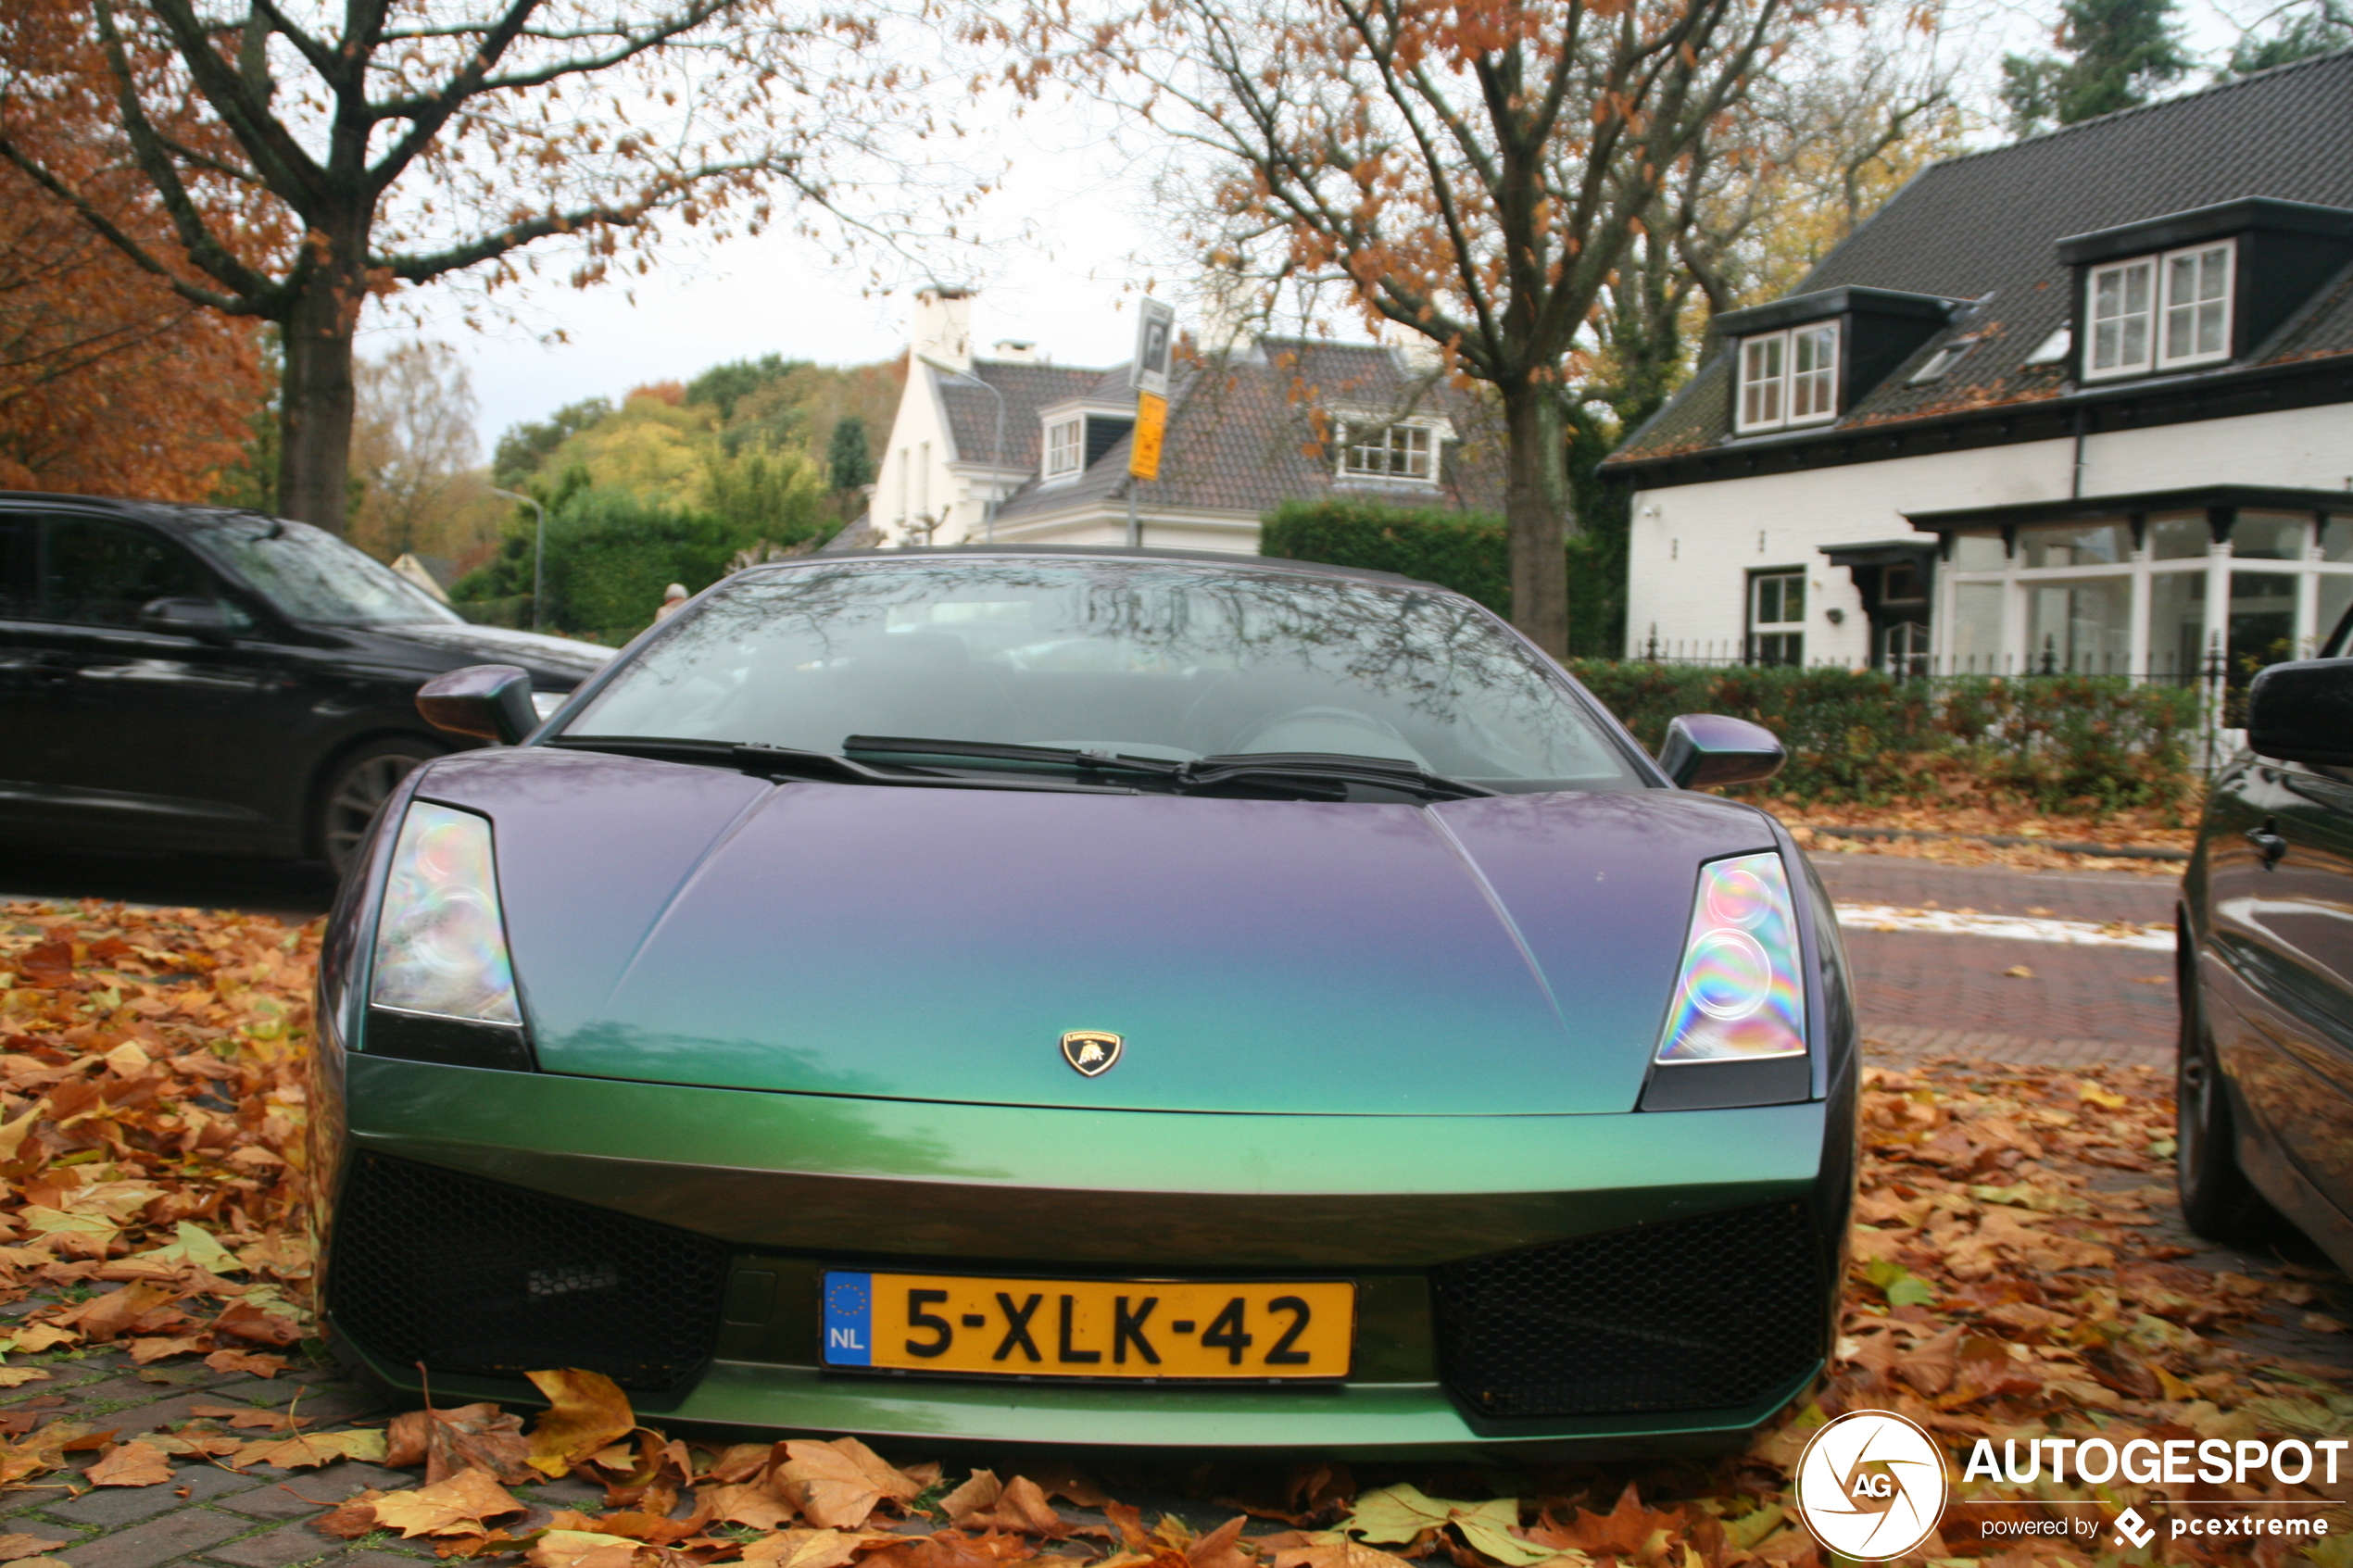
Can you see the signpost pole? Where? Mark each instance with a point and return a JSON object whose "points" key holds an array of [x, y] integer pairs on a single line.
{"points": [[1147, 373]]}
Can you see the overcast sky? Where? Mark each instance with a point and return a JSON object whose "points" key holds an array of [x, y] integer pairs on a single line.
{"points": [[1068, 239]]}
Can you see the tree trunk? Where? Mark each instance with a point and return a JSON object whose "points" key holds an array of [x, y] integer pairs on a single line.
{"points": [[1536, 513], [315, 399]]}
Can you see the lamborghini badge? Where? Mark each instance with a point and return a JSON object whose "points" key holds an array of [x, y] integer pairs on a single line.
{"points": [[1093, 1051]]}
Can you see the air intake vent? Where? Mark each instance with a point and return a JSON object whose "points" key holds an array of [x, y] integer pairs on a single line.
{"points": [[1691, 1314], [472, 1276]]}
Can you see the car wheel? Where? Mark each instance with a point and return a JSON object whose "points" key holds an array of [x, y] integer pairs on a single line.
{"points": [[2218, 1201], [356, 788]]}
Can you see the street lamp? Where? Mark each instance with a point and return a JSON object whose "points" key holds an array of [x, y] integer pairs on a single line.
{"points": [[538, 553], [996, 458]]}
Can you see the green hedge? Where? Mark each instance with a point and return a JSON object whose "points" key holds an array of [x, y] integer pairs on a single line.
{"points": [[609, 555], [1465, 551], [2063, 742], [1469, 552]]}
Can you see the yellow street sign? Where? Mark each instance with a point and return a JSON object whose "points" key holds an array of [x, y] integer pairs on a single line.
{"points": [[1151, 422]]}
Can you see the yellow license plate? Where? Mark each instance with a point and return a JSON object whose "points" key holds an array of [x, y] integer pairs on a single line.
{"points": [[1088, 1328]]}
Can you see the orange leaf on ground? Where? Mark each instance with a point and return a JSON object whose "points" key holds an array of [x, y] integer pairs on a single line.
{"points": [[1221, 1548], [13, 1547], [581, 1549], [980, 1491], [352, 1519], [476, 1437], [747, 1504], [1022, 1507], [586, 1410], [1625, 1530], [156, 1348], [133, 1464], [814, 1548], [458, 1506], [257, 1365], [104, 1317], [247, 1418], [307, 1450], [247, 1321], [1340, 1553], [840, 1483]]}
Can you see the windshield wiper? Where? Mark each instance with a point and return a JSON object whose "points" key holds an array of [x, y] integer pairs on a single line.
{"points": [[783, 762], [1322, 775], [1331, 767]]}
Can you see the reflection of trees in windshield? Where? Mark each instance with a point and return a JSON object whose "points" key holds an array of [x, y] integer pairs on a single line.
{"points": [[753, 662], [311, 575]]}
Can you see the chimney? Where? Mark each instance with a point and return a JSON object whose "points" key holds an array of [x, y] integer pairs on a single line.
{"points": [[1014, 351], [942, 329]]}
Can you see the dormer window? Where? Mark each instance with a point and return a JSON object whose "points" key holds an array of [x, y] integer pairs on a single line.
{"points": [[1397, 451], [2160, 312], [1065, 447], [1788, 378]]}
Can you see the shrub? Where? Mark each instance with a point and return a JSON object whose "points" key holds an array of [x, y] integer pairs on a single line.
{"points": [[609, 555], [1465, 551], [2060, 742], [1469, 552]]}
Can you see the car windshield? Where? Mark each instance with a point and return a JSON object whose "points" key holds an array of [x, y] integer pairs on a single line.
{"points": [[311, 575], [1149, 658]]}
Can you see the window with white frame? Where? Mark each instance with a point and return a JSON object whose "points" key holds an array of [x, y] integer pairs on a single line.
{"points": [[1397, 451], [2160, 312], [1788, 378], [1777, 618], [1065, 447]]}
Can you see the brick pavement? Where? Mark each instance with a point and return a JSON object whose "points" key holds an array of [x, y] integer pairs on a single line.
{"points": [[1998, 890], [206, 1516], [1920, 992]]}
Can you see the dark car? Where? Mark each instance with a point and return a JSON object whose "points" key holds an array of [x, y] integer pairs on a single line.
{"points": [[198, 679], [1032, 995], [2266, 1073]]}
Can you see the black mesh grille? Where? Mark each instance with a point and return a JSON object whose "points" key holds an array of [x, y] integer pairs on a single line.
{"points": [[472, 1276], [1691, 1314]]}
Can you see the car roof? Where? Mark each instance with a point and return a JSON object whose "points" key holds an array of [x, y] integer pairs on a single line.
{"points": [[166, 512], [1115, 552]]}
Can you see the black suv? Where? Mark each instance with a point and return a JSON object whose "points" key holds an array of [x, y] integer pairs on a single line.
{"points": [[2266, 1076], [191, 678]]}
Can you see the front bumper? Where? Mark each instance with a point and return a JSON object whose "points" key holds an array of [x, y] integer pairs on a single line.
{"points": [[788, 1184]]}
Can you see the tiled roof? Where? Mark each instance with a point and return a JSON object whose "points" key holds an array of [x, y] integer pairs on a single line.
{"points": [[1252, 430], [972, 413], [1985, 228]]}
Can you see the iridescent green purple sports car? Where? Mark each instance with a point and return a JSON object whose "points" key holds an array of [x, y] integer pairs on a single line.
{"points": [[1084, 996]]}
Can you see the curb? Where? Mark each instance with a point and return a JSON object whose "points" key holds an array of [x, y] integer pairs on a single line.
{"points": [[2006, 841]]}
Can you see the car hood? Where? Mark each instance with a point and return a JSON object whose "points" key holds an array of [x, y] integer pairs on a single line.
{"points": [[558, 663], [1513, 954]]}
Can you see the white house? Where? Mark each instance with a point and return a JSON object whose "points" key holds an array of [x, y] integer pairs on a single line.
{"points": [[2084, 403], [1271, 420]]}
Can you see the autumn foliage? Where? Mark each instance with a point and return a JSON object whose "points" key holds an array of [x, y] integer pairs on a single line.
{"points": [[109, 382], [2009, 1278]]}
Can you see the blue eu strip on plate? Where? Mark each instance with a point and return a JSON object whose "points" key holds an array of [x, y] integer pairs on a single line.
{"points": [[849, 1300]]}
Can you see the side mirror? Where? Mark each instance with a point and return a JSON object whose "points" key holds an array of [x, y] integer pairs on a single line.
{"points": [[2303, 712], [1709, 749], [492, 702], [208, 621]]}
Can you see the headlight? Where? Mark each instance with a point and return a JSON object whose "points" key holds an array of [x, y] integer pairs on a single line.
{"points": [[441, 942], [1739, 996]]}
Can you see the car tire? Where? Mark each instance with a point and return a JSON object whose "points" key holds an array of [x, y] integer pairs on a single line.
{"points": [[2218, 1201], [355, 786]]}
